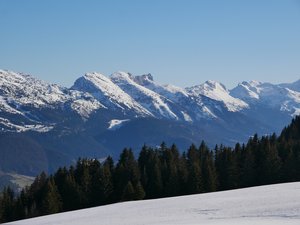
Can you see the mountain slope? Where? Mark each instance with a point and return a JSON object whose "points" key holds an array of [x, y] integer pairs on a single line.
{"points": [[60, 124], [25, 103], [264, 205], [279, 97], [269, 103], [292, 86], [158, 105], [108, 93], [191, 108], [218, 92]]}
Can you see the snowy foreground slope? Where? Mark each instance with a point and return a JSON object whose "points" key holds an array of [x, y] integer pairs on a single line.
{"points": [[274, 204]]}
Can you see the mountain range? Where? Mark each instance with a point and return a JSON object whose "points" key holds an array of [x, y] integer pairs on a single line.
{"points": [[43, 125]]}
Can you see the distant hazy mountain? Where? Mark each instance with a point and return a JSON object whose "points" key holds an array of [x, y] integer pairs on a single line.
{"points": [[44, 125]]}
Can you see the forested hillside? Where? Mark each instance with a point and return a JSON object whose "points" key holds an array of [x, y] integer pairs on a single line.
{"points": [[160, 172]]}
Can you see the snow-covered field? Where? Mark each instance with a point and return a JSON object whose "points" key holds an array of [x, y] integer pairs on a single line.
{"points": [[274, 204]]}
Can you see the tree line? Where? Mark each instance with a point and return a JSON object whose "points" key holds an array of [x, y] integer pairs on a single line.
{"points": [[159, 172]]}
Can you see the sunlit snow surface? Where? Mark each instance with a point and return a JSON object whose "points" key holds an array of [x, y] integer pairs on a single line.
{"points": [[218, 91], [116, 124], [265, 205]]}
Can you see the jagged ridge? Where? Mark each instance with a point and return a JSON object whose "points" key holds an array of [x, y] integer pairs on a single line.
{"points": [[99, 115]]}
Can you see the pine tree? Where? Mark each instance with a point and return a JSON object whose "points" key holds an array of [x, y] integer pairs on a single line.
{"points": [[139, 192], [209, 177], [83, 179], [52, 200], [195, 182], [272, 164], [35, 195], [127, 171], [20, 208], [150, 169], [248, 168], [128, 192], [107, 185], [183, 174], [223, 165], [7, 205], [170, 162], [68, 188], [96, 186]]}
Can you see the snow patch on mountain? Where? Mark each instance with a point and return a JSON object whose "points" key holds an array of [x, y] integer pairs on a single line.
{"points": [[5, 107], [85, 108], [7, 125], [192, 107], [208, 112], [296, 112], [169, 91], [153, 102], [116, 124], [186, 117], [294, 95]]}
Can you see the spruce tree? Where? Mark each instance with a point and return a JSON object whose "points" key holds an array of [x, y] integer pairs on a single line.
{"points": [[106, 177], [83, 179], [150, 169], [209, 177], [127, 171], [195, 182], [170, 162], [52, 201], [128, 192], [7, 205], [248, 168], [183, 174], [139, 192]]}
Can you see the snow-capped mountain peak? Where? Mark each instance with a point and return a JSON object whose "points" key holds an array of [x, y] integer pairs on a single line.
{"points": [[284, 97], [108, 93], [211, 84], [169, 91], [245, 91], [254, 83], [121, 75], [144, 80], [25, 89], [218, 92], [30, 98], [150, 100], [210, 89]]}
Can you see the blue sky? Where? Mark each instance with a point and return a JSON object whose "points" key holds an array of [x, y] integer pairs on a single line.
{"points": [[183, 42]]}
